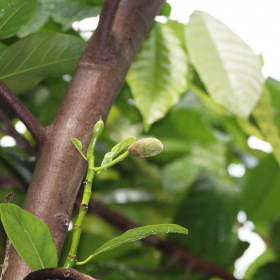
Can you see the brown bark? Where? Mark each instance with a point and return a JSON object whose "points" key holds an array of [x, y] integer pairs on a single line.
{"points": [[57, 273], [98, 78]]}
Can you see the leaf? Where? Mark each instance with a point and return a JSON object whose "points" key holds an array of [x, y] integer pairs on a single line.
{"points": [[269, 271], [37, 21], [30, 237], [261, 192], [68, 11], [159, 74], [264, 116], [39, 55], [229, 69], [137, 234], [78, 144], [15, 14], [117, 149], [165, 10]]}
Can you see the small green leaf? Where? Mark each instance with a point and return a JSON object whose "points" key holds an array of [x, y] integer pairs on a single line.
{"points": [[14, 15], [30, 237], [134, 235], [117, 149], [37, 56], [227, 66], [78, 144]]}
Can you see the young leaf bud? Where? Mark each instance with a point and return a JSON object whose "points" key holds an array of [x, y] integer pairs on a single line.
{"points": [[98, 128], [146, 147]]}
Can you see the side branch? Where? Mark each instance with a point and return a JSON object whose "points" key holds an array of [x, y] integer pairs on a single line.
{"points": [[57, 273], [107, 17], [164, 246], [35, 128]]}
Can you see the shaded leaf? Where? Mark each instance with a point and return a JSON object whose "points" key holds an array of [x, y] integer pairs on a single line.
{"points": [[68, 11], [270, 271], [229, 69], [117, 149], [158, 75], [37, 56], [137, 234], [165, 10], [15, 14], [264, 116], [78, 144], [30, 237], [37, 21]]}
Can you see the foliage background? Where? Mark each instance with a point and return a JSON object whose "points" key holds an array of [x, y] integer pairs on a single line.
{"points": [[199, 89]]}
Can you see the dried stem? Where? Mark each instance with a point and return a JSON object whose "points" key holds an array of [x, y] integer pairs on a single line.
{"points": [[36, 129], [21, 141], [57, 273]]}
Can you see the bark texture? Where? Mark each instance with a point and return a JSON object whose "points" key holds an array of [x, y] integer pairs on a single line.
{"points": [[98, 78]]}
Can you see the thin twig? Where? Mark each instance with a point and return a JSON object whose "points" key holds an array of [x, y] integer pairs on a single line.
{"points": [[8, 247], [107, 17], [8, 182], [36, 129], [57, 273], [21, 141]]}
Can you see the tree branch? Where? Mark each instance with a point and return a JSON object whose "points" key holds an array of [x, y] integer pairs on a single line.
{"points": [[95, 85], [57, 273], [21, 141], [8, 182], [35, 128], [164, 246]]}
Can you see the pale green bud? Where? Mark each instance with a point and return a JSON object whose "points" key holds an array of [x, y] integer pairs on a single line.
{"points": [[146, 147]]}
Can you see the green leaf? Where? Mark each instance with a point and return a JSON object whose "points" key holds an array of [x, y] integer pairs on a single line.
{"points": [[30, 237], [117, 149], [270, 271], [37, 56], [136, 234], [165, 10], [264, 116], [159, 74], [78, 144], [229, 69], [261, 192], [37, 21], [68, 11], [14, 14]]}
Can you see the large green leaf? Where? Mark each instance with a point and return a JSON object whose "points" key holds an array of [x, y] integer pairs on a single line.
{"points": [[68, 11], [37, 56], [137, 234], [159, 74], [210, 211], [229, 69], [270, 271], [264, 117], [30, 237], [14, 14], [261, 192]]}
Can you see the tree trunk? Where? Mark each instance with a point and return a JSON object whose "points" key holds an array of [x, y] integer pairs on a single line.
{"points": [[98, 78]]}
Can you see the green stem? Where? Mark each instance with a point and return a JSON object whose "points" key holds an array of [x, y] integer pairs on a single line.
{"points": [[77, 228], [113, 162]]}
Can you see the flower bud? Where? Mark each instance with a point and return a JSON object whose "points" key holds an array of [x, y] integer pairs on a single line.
{"points": [[146, 147]]}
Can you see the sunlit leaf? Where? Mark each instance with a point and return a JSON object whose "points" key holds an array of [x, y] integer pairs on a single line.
{"points": [[159, 74], [15, 14], [30, 237], [39, 55], [117, 149], [229, 69], [137, 234]]}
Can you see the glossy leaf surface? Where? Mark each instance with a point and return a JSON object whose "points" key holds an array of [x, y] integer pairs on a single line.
{"points": [[15, 14], [159, 74], [37, 56], [30, 237], [229, 69], [138, 234]]}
